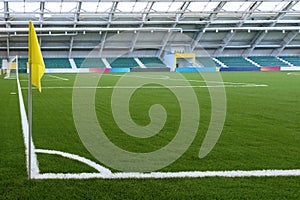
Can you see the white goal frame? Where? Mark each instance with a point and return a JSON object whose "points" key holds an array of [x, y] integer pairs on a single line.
{"points": [[12, 68]]}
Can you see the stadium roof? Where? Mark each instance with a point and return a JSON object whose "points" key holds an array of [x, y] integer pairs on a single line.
{"points": [[220, 27]]}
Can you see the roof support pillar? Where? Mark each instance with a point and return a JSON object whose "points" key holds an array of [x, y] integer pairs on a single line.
{"points": [[110, 18]]}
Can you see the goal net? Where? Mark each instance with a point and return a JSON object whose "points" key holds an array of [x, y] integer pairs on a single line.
{"points": [[12, 68]]}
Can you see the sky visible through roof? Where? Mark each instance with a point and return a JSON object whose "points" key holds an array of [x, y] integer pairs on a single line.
{"points": [[131, 7]]}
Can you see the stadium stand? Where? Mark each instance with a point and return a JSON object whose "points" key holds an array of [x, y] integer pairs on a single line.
{"points": [[207, 62], [268, 61], [152, 62], [294, 60], [122, 62], [235, 62], [89, 63], [57, 63], [49, 63], [22, 65]]}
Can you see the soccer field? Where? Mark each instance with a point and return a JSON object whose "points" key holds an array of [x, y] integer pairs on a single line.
{"points": [[261, 132]]}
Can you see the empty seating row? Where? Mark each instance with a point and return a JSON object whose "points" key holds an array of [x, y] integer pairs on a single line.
{"points": [[57, 63], [122, 62], [238, 61], [235, 62], [207, 62], [155, 62], [89, 63], [268, 61], [49, 63], [152, 62], [294, 60]]}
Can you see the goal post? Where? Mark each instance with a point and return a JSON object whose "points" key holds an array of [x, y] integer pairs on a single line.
{"points": [[189, 58], [12, 68]]}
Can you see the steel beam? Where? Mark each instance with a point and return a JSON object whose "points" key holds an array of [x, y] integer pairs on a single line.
{"points": [[261, 35], [211, 18]]}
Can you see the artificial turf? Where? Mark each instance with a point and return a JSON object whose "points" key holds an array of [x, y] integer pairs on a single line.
{"points": [[261, 131]]}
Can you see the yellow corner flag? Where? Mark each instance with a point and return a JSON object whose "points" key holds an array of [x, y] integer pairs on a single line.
{"points": [[35, 58]]}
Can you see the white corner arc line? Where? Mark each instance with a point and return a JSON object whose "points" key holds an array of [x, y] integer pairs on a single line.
{"points": [[90, 163]]}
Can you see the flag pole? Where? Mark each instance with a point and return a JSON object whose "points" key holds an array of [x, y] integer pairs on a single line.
{"points": [[29, 122], [29, 109], [36, 68]]}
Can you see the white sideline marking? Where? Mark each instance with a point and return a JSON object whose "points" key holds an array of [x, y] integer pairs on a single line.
{"points": [[149, 87], [90, 163], [60, 78], [294, 73], [47, 80], [161, 175], [52, 76], [34, 163]]}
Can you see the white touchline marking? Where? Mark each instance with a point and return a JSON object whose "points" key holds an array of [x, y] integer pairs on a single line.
{"points": [[90, 163], [294, 73], [149, 87], [52, 76], [61, 78], [161, 175], [34, 163], [47, 80]]}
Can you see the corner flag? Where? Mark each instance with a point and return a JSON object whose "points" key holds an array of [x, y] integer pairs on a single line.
{"points": [[35, 58]]}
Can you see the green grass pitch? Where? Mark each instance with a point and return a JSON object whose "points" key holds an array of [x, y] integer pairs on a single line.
{"points": [[261, 131]]}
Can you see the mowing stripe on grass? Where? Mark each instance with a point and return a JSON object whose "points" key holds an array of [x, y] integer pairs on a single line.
{"points": [[175, 79]]}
